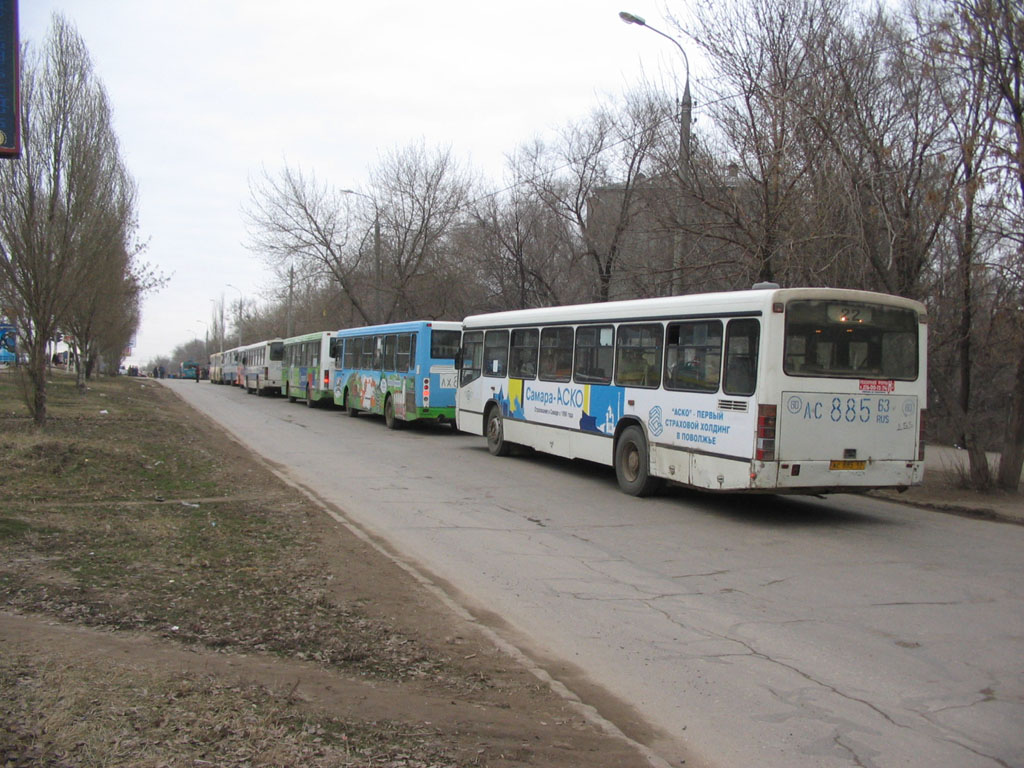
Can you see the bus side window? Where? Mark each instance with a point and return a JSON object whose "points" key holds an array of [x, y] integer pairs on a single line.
{"points": [[353, 350], [741, 339], [390, 348], [472, 357], [366, 353], [496, 353], [402, 356], [595, 352], [378, 352], [522, 362], [693, 355], [638, 355], [556, 354]]}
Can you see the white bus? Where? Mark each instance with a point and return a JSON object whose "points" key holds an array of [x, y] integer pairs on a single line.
{"points": [[806, 390], [260, 366]]}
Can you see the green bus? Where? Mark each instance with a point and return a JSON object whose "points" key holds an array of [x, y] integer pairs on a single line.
{"points": [[306, 368]]}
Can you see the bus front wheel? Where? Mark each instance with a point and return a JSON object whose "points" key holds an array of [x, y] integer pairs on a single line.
{"points": [[633, 464], [496, 442]]}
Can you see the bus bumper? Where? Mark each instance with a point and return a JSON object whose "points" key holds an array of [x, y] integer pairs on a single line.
{"points": [[823, 477]]}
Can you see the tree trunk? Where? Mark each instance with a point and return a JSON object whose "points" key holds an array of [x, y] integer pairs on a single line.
{"points": [[1013, 449], [37, 364], [981, 475]]}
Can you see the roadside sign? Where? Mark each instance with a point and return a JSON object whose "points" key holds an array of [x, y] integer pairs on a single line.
{"points": [[10, 108]]}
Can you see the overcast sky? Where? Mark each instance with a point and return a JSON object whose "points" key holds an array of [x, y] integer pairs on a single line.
{"points": [[208, 93]]}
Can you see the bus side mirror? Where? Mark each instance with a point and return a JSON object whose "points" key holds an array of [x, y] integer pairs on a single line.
{"points": [[458, 360], [332, 348]]}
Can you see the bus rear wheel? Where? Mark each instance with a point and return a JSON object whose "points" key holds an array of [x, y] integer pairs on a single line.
{"points": [[496, 442], [633, 464], [390, 420]]}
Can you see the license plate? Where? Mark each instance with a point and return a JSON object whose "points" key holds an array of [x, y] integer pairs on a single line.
{"points": [[847, 464], [449, 380]]}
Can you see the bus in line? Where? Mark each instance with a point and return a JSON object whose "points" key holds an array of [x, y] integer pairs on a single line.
{"points": [[404, 371], [306, 368], [259, 367], [805, 390]]}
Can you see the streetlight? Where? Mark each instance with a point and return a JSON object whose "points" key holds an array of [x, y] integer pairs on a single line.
{"points": [[376, 252], [685, 115], [219, 327], [241, 297], [685, 104]]}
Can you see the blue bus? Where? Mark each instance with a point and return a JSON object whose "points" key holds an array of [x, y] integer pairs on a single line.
{"points": [[404, 371]]}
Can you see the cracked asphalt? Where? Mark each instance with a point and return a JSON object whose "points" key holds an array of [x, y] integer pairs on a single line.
{"points": [[723, 630]]}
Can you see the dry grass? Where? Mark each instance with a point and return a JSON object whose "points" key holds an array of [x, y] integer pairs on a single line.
{"points": [[114, 516], [59, 712]]}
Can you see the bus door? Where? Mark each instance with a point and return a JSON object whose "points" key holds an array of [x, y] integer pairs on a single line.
{"points": [[471, 395]]}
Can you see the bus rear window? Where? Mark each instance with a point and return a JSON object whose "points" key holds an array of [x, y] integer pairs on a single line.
{"points": [[444, 344], [850, 340]]}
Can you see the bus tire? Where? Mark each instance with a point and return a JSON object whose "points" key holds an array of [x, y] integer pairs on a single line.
{"points": [[288, 393], [390, 420], [633, 464], [495, 431], [349, 409]]}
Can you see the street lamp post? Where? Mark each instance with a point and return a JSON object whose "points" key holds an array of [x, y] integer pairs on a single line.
{"points": [[685, 116], [219, 327], [685, 104], [377, 267], [241, 297]]}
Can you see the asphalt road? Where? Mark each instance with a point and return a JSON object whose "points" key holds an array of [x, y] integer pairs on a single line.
{"points": [[743, 630]]}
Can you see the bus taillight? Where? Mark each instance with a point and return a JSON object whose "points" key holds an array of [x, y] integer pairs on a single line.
{"points": [[327, 379], [920, 436], [426, 392], [765, 433]]}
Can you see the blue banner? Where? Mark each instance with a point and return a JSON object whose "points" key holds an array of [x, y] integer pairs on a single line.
{"points": [[10, 122], [8, 343]]}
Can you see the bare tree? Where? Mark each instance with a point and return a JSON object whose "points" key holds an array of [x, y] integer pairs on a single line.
{"points": [[887, 138], [989, 36], [55, 196], [760, 51], [383, 248], [296, 221], [520, 249], [590, 175]]}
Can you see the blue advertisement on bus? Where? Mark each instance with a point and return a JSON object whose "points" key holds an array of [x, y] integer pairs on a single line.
{"points": [[8, 344]]}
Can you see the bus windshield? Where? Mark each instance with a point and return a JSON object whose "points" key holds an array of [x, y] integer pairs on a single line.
{"points": [[834, 339]]}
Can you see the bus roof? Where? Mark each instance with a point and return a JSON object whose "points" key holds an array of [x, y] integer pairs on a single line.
{"points": [[411, 325], [308, 336], [720, 303]]}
